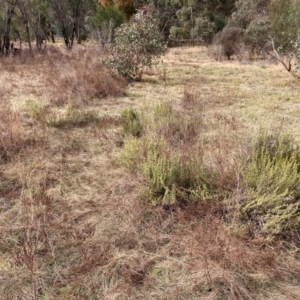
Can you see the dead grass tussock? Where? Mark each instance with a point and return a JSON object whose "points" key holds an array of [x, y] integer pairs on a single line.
{"points": [[88, 80], [12, 134], [60, 77]]}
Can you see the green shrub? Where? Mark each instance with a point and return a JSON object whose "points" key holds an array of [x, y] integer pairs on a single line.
{"points": [[131, 122], [285, 23], [131, 153], [166, 155], [137, 45], [257, 33], [273, 185], [204, 29], [173, 179]]}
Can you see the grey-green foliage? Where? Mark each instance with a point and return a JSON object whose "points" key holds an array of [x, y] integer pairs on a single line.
{"points": [[165, 13], [252, 17], [200, 20], [170, 176], [257, 33], [248, 10], [186, 15], [263, 20], [191, 19], [203, 29], [72, 117], [105, 14], [138, 44], [167, 156], [285, 23], [273, 185], [174, 178]]}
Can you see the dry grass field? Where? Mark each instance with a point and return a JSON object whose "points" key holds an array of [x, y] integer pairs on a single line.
{"points": [[75, 217]]}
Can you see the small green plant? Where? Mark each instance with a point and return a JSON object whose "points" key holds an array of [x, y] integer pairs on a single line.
{"points": [[131, 154], [36, 111], [173, 179], [137, 45], [131, 121], [273, 183], [71, 117]]}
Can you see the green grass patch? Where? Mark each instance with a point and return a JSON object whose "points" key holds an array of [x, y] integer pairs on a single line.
{"points": [[131, 122], [70, 117]]}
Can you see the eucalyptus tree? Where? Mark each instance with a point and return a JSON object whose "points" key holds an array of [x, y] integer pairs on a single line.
{"points": [[35, 18], [138, 44], [284, 34], [69, 17], [105, 21], [165, 13], [38, 20], [186, 15]]}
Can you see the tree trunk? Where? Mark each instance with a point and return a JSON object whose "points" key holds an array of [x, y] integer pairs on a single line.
{"points": [[76, 29], [6, 38], [26, 22], [66, 37], [28, 36]]}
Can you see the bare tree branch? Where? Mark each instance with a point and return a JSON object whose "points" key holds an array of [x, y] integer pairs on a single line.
{"points": [[280, 58]]}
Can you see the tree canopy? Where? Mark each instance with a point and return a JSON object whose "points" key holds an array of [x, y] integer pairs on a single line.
{"points": [[36, 21]]}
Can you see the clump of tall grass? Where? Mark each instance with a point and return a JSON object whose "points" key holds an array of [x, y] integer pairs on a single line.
{"points": [[68, 118], [131, 122], [12, 136]]}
